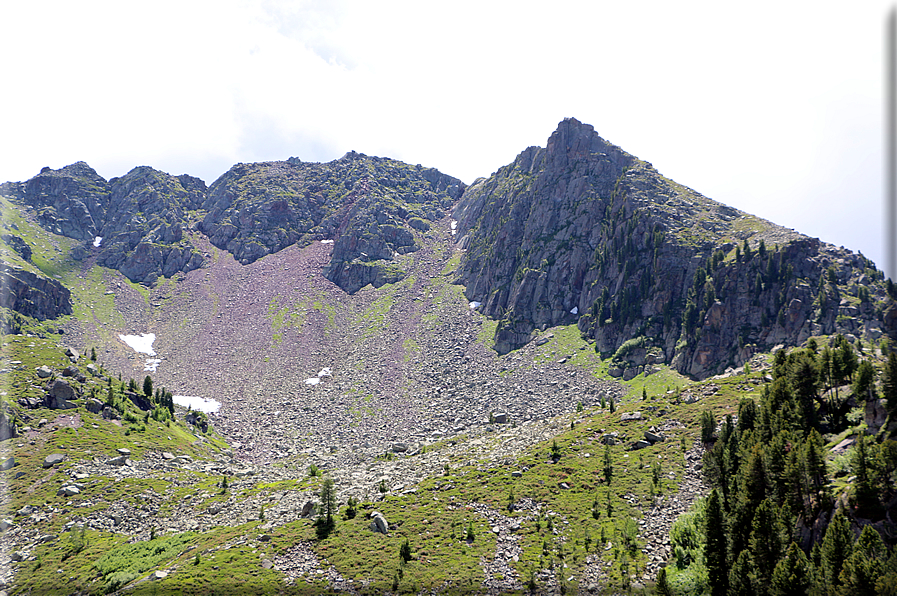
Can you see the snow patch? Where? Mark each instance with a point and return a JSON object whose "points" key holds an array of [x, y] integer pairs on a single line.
{"points": [[475, 305], [193, 402], [454, 227], [324, 372], [97, 241], [575, 310], [142, 344], [326, 241], [151, 364]]}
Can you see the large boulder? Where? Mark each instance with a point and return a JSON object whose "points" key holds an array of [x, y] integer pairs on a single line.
{"points": [[18, 245], [7, 426], [379, 523], [309, 509], [59, 395], [140, 400], [53, 459]]}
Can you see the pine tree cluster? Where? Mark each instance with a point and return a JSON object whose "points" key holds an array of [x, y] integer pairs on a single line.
{"points": [[772, 493]]}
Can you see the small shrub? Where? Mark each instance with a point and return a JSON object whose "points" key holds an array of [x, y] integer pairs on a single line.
{"points": [[405, 551], [352, 508], [555, 450]]}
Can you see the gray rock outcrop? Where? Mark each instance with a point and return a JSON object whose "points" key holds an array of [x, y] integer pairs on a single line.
{"points": [[33, 295], [372, 208], [140, 216], [379, 523], [53, 459], [59, 394], [581, 231]]}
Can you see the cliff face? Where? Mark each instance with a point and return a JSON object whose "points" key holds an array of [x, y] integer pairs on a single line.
{"points": [[581, 231], [32, 295], [139, 216], [372, 208]]}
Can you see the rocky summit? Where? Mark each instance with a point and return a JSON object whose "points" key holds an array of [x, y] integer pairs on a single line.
{"points": [[580, 231], [514, 376]]}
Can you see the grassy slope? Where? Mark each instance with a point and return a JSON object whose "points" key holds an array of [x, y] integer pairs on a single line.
{"points": [[425, 517]]}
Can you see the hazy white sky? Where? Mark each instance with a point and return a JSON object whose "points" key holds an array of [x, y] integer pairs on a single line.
{"points": [[774, 108]]}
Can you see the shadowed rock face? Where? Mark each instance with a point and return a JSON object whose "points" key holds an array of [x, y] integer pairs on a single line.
{"points": [[581, 231], [70, 201], [34, 296]]}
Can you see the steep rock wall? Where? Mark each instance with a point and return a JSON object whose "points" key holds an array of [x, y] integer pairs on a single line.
{"points": [[580, 231]]}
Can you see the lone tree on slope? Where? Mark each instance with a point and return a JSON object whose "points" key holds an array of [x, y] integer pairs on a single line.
{"points": [[326, 521]]}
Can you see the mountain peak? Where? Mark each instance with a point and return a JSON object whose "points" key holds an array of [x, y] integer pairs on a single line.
{"points": [[575, 140]]}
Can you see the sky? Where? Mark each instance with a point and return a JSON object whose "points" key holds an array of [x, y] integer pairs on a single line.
{"points": [[774, 108]]}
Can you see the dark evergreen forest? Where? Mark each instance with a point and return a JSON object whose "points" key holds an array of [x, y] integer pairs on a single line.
{"points": [[780, 519]]}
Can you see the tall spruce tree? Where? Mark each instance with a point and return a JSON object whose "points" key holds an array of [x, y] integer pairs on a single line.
{"points": [[865, 565], [767, 542], [715, 547], [889, 384], [862, 466], [791, 576], [741, 577], [837, 546], [325, 522]]}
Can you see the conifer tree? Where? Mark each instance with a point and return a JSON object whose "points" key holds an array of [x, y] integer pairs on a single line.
{"points": [[662, 587], [825, 368], [325, 522], [837, 546], [862, 466], [715, 547], [791, 576], [865, 565], [802, 377], [708, 426], [741, 582], [865, 377], [751, 490], [889, 384], [814, 467], [766, 542]]}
